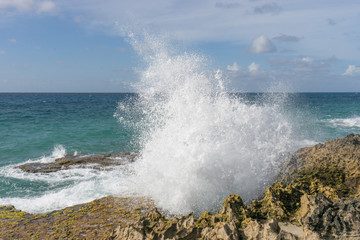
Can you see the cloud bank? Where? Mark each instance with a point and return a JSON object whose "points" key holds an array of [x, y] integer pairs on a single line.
{"points": [[262, 45], [352, 70]]}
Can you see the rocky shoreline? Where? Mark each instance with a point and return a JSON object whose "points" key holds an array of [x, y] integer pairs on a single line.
{"points": [[315, 196]]}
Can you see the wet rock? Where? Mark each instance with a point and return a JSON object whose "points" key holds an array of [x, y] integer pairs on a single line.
{"points": [[97, 161]]}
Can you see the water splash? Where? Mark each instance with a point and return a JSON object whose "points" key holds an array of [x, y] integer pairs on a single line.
{"points": [[199, 143]]}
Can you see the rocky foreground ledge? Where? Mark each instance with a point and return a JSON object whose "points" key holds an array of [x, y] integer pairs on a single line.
{"points": [[315, 196]]}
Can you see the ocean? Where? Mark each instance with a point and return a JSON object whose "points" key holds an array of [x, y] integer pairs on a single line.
{"points": [[198, 140], [39, 127]]}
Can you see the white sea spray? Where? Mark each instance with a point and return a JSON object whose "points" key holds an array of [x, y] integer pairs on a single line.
{"points": [[200, 143]]}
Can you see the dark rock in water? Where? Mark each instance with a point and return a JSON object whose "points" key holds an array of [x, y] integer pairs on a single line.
{"points": [[98, 161], [315, 196]]}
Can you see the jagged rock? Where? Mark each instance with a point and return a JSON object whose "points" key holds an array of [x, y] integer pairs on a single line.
{"points": [[332, 168], [338, 219], [257, 231], [98, 161], [233, 211], [274, 230], [221, 230], [279, 203], [225, 224], [93, 220], [316, 197], [154, 226]]}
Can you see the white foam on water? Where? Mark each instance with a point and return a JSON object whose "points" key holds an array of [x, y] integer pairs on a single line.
{"points": [[59, 151], [75, 185], [72, 174], [86, 185], [80, 192], [200, 144], [352, 122]]}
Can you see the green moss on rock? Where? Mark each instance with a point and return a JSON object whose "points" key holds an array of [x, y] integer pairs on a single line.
{"points": [[94, 220]]}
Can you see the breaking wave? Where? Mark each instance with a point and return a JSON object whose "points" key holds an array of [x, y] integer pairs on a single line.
{"points": [[200, 143], [352, 122]]}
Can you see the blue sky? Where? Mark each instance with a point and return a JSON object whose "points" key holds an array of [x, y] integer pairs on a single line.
{"points": [[79, 45]]}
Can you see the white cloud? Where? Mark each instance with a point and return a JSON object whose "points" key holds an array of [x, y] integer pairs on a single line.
{"points": [[234, 68], [238, 70], [253, 67], [19, 5], [220, 20], [2, 52], [12, 40], [262, 45], [29, 6], [306, 59], [352, 70], [46, 7], [301, 74]]}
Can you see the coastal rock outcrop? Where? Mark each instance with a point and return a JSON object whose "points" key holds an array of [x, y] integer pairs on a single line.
{"points": [[98, 161], [93, 220], [314, 196], [332, 168]]}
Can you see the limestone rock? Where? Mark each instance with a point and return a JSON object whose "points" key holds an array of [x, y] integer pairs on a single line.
{"points": [[338, 219], [98, 161], [154, 226], [332, 168], [315, 196], [93, 220], [279, 203], [225, 224], [221, 230]]}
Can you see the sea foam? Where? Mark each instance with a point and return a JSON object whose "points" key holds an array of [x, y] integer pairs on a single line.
{"points": [[200, 143], [352, 122], [63, 188]]}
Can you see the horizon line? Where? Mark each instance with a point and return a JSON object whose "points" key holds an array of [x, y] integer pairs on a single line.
{"points": [[50, 92]]}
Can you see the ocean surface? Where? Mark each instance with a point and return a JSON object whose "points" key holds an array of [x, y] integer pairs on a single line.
{"points": [[39, 127]]}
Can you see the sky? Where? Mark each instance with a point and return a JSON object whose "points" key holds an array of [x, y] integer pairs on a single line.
{"points": [[80, 45]]}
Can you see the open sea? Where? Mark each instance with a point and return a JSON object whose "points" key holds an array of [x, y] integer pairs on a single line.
{"points": [[198, 141], [39, 127]]}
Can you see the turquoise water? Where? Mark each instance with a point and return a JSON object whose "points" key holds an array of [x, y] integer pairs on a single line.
{"points": [[43, 126], [32, 124]]}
